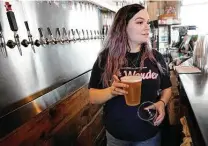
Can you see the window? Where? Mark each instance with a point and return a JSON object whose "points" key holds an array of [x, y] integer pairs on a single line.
{"points": [[195, 14], [192, 2]]}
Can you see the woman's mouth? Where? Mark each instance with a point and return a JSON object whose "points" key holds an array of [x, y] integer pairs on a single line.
{"points": [[145, 34]]}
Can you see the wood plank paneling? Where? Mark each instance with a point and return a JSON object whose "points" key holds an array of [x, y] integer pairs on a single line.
{"points": [[70, 122]]}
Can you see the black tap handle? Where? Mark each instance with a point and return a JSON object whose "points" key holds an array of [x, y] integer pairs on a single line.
{"points": [[106, 31], [103, 30], [49, 31], [0, 27], [58, 31], [40, 31], [95, 32], [64, 31], [72, 31], [77, 31], [83, 31], [27, 26], [12, 20]]}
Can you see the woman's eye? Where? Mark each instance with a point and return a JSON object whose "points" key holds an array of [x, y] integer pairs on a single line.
{"points": [[140, 22]]}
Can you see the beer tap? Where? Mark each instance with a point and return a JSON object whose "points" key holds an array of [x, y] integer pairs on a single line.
{"points": [[24, 42], [91, 35], [73, 33], [106, 30], [87, 35], [58, 36], [13, 26], [65, 36], [98, 34], [95, 37], [50, 40], [101, 36], [69, 36], [42, 39], [2, 43], [103, 32], [83, 35], [78, 33]]}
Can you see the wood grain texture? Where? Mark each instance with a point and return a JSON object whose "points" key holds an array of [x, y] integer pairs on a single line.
{"points": [[73, 121]]}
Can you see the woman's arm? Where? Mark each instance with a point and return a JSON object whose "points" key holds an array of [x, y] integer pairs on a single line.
{"points": [[160, 105], [99, 96], [166, 94]]}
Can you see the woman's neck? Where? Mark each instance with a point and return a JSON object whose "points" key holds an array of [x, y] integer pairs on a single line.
{"points": [[135, 48]]}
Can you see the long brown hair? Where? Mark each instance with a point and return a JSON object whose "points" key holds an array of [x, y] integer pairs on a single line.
{"points": [[116, 44]]}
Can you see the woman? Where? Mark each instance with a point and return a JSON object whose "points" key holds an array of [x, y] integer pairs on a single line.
{"points": [[126, 49]]}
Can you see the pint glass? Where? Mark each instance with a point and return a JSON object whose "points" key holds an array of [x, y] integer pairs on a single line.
{"points": [[133, 97]]}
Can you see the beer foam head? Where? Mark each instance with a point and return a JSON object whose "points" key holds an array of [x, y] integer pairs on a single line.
{"points": [[131, 79]]}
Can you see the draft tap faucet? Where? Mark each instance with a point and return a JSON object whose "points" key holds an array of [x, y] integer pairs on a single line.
{"points": [[87, 34], [50, 40], [30, 38], [42, 38], [65, 36], [78, 33], [2, 42], [58, 36], [13, 26], [83, 35], [73, 33]]}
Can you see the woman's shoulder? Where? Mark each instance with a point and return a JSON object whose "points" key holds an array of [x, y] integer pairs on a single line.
{"points": [[156, 53], [102, 58], [103, 53]]}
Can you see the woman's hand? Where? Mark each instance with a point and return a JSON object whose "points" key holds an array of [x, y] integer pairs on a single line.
{"points": [[117, 88], [160, 107]]}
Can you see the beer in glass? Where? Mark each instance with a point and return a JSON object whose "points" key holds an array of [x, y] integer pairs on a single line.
{"points": [[133, 97]]}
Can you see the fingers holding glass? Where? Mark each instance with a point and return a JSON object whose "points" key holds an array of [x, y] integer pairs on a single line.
{"points": [[147, 112]]}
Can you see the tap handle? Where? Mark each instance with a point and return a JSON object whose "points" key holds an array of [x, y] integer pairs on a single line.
{"points": [[103, 30], [69, 34], [0, 27], [11, 17], [64, 31], [77, 31], [40, 32], [49, 31], [27, 26], [72, 32], [106, 31], [58, 32]]}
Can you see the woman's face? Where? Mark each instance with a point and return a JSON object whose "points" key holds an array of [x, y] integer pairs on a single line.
{"points": [[138, 27]]}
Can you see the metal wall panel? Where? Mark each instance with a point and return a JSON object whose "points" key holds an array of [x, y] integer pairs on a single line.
{"points": [[24, 78]]}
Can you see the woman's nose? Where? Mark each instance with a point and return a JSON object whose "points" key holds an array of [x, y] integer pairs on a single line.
{"points": [[147, 26]]}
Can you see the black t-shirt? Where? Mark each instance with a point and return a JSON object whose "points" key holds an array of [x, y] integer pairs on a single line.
{"points": [[120, 119]]}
